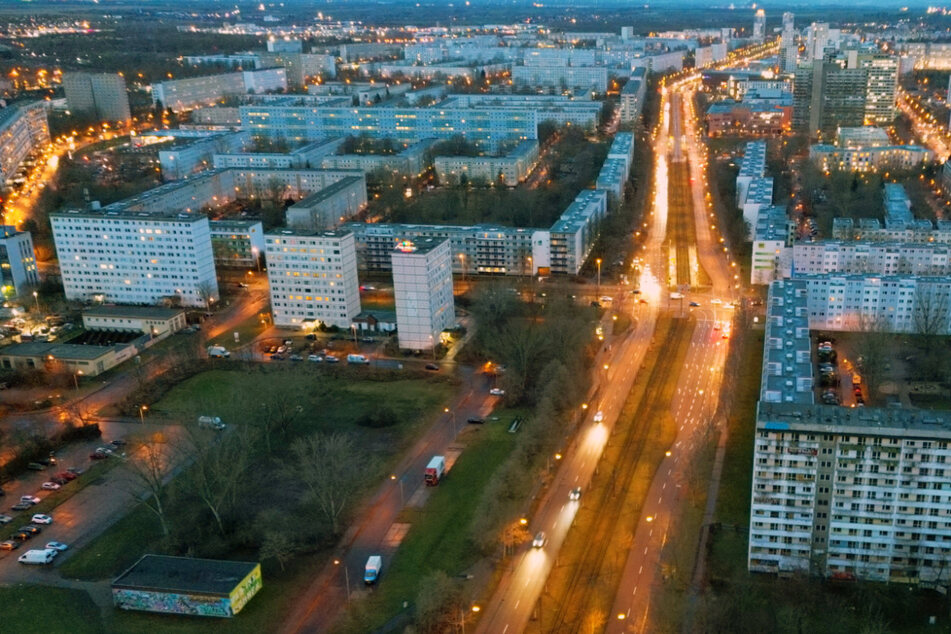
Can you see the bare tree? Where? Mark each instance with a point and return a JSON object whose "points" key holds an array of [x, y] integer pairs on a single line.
{"points": [[149, 469], [931, 311], [219, 466], [872, 349], [328, 466]]}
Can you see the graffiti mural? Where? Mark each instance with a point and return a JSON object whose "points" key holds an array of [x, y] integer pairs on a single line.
{"points": [[194, 604], [248, 587]]}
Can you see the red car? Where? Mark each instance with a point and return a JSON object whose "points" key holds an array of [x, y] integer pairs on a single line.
{"points": [[67, 475]]}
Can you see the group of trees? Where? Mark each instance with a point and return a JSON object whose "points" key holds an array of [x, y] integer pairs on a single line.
{"points": [[212, 493]]}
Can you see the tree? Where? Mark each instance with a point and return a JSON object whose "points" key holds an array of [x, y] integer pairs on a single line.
{"points": [[872, 349], [436, 601], [329, 467], [220, 464], [278, 545], [149, 471], [931, 310]]}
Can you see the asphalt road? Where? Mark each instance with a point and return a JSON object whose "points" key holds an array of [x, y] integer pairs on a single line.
{"points": [[322, 603]]}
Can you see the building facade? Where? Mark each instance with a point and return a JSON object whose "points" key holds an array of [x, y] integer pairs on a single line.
{"points": [[313, 278], [237, 243], [101, 94], [422, 287], [135, 258], [23, 128]]}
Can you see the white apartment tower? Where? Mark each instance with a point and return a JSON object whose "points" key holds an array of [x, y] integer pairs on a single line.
{"points": [[313, 278], [759, 26], [18, 273], [422, 285], [101, 94], [126, 257]]}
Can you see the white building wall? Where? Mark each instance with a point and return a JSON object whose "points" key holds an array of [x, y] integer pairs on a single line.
{"points": [[422, 286]]}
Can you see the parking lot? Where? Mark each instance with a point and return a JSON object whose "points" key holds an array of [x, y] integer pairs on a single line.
{"points": [[106, 495]]}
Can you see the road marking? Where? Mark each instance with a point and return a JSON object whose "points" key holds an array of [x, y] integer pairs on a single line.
{"points": [[635, 587], [506, 629], [516, 604]]}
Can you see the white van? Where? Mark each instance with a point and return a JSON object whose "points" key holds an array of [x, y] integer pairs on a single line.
{"points": [[37, 557], [211, 422]]}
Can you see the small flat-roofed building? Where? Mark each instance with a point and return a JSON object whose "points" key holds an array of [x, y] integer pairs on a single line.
{"points": [[65, 357], [185, 585], [149, 320]]}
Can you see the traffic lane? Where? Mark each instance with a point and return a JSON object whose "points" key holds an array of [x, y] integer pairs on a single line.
{"points": [[698, 389], [513, 602], [81, 518]]}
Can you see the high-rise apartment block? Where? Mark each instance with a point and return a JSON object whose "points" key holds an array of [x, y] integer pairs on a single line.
{"points": [[101, 94], [759, 26], [18, 272], [422, 286], [127, 257], [313, 278], [23, 127]]}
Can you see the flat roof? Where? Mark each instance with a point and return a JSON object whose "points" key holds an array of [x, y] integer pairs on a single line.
{"points": [[329, 192], [143, 312], [61, 351], [161, 573], [421, 246]]}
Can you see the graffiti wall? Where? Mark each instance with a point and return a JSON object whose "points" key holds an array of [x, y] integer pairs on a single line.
{"points": [[248, 587], [194, 604]]}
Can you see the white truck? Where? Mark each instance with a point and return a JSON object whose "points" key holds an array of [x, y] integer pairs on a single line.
{"points": [[218, 352], [357, 359], [38, 557], [435, 470], [211, 422], [372, 571]]}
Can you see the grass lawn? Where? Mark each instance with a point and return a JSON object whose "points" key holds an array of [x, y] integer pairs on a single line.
{"points": [[29, 609], [438, 537], [247, 330], [116, 549]]}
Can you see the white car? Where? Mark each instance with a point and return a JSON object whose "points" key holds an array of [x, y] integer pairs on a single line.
{"points": [[540, 539], [497, 392], [598, 416], [39, 518], [49, 486], [30, 499], [316, 358], [574, 496], [5, 519], [57, 546]]}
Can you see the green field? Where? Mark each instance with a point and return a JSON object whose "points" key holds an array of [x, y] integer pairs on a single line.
{"points": [[31, 609]]}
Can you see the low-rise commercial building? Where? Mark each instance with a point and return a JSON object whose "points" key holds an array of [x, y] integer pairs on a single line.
{"points": [[147, 320], [65, 358]]}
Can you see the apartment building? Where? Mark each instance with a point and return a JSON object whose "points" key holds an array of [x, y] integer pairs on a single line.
{"points": [[135, 258], [869, 159], [23, 128], [851, 493], [485, 126], [759, 194], [313, 278], [18, 271], [103, 95], [582, 78], [773, 250], [330, 206], [237, 243], [752, 165], [422, 288], [872, 258], [197, 155], [575, 232], [411, 162], [633, 95], [559, 109], [509, 169], [197, 92]]}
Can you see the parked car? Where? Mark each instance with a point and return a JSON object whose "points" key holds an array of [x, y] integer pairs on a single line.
{"points": [[118, 442], [5, 519], [497, 391], [32, 530], [75, 471], [21, 536], [98, 456], [695, 304], [58, 546], [21, 506], [35, 466], [30, 499], [432, 367], [9, 544], [296, 357], [475, 420], [39, 518], [50, 486], [315, 358], [331, 359]]}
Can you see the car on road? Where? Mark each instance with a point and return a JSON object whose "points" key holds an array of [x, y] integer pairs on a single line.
{"points": [[21, 506], [575, 494], [30, 499], [58, 546], [496, 391], [432, 367], [475, 420], [694, 304], [9, 544], [598, 416], [35, 466], [540, 540], [5, 519], [40, 518], [50, 486], [636, 291]]}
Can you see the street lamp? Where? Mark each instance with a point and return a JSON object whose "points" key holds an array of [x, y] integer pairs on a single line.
{"points": [[142, 410], [599, 278], [76, 379], [346, 574], [36, 300], [393, 477], [452, 419]]}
